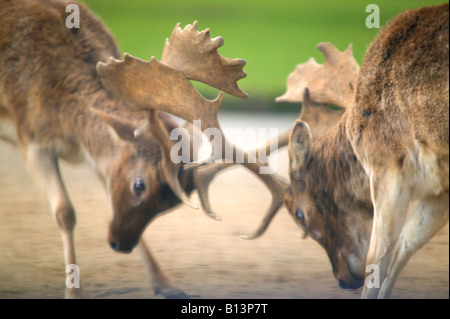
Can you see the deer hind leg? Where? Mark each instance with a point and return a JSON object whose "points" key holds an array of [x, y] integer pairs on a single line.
{"points": [[430, 216], [391, 202], [160, 281], [44, 165]]}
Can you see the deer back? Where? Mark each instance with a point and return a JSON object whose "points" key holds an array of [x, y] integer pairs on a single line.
{"points": [[402, 95], [49, 69]]}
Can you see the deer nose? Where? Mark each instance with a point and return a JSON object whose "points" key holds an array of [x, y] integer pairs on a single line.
{"points": [[343, 284], [120, 248], [350, 285], [113, 245]]}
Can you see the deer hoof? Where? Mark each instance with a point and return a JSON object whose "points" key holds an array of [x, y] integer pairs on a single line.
{"points": [[171, 293]]}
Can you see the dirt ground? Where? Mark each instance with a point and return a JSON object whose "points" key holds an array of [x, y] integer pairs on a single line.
{"points": [[206, 258]]}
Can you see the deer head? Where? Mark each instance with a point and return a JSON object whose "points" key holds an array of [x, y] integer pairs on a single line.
{"points": [[152, 86], [138, 191], [329, 192]]}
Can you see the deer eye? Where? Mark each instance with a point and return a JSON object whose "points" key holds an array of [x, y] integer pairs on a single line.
{"points": [[300, 216], [139, 186]]}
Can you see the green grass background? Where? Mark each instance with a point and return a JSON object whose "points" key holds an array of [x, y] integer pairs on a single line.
{"points": [[273, 36]]}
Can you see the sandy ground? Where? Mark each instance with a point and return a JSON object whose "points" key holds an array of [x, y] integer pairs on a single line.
{"points": [[206, 258]]}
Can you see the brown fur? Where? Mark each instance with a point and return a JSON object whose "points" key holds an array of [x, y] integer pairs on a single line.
{"points": [[404, 77], [399, 129], [332, 190], [390, 147], [48, 85]]}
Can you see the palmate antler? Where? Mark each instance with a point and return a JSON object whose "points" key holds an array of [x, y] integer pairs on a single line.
{"points": [[332, 82], [153, 85], [203, 64]]}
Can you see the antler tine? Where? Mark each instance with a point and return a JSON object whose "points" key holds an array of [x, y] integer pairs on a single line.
{"points": [[349, 50], [332, 82], [275, 184], [202, 179], [268, 217], [278, 188], [204, 176], [195, 55], [306, 102], [331, 53]]}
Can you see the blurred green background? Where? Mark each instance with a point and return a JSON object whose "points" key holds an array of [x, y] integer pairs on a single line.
{"points": [[272, 36]]}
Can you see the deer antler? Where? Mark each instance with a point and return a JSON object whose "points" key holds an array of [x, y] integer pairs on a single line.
{"points": [[153, 85], [204, 175], [169, 169], [332, 82], [143, 85], [319, 116], [195, 55]]}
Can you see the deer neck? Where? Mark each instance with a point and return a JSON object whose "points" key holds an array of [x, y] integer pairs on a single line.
{"points": [[99, 146], [346, 180]]}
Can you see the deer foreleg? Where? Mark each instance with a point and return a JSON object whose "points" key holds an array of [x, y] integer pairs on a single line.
{"points": [[429, 217], [44, 165], [160, 281], [391, 202]]}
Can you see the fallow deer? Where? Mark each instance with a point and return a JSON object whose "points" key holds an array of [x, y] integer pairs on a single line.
{"points": [[351, 188], [54, 94]]}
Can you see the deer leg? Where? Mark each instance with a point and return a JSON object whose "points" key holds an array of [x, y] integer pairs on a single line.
{"points": [[391, 202], [160, 280], [44, 165], [430, 216]]}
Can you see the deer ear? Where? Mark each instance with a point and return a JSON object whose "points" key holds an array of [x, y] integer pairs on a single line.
{"points": [[300, 143], [123, 128]]}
